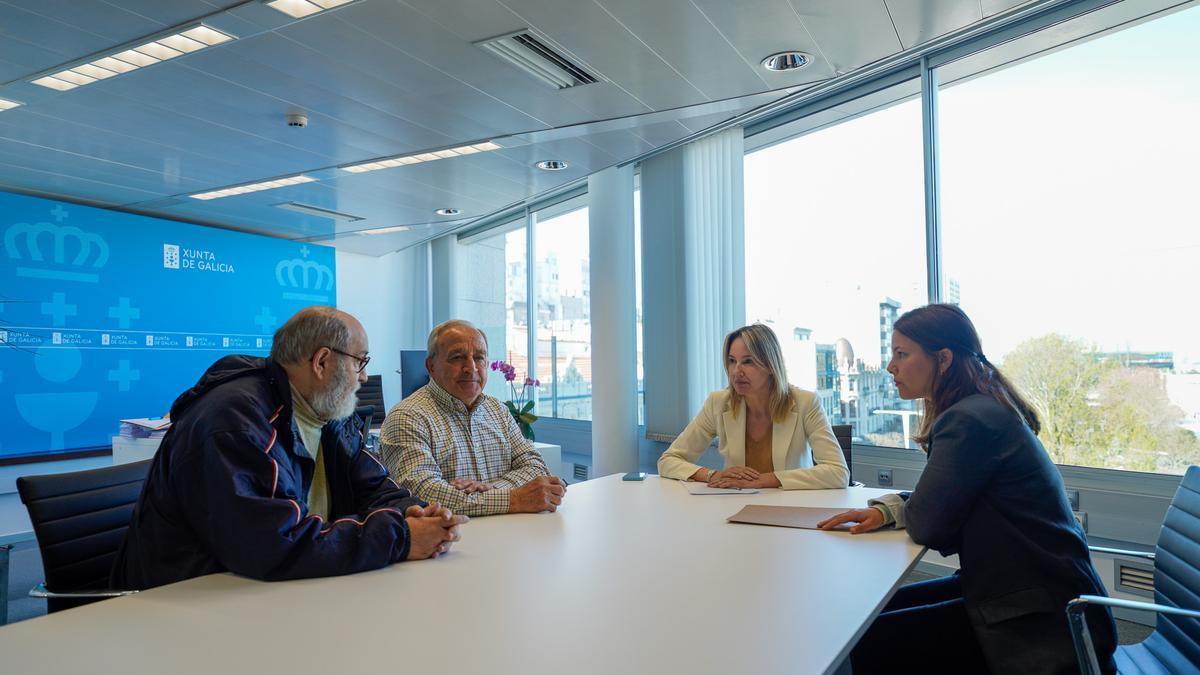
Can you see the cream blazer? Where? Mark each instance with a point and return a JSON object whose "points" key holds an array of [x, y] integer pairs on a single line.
{"points": [[804, 426]]}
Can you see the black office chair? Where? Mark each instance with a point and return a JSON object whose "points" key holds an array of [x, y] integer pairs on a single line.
{"points": [[1174, 646], [80, 519], [844, 434], [371, 394], [413, 374]]}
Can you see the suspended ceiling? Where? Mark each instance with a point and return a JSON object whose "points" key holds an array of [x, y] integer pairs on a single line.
{"points": [[380, 78]]}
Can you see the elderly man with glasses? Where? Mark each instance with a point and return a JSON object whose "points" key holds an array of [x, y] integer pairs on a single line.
{"points": [[264, 472]]}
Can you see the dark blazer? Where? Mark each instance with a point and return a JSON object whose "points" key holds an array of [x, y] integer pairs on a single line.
{"points": [[226, 490], [991, 494]]}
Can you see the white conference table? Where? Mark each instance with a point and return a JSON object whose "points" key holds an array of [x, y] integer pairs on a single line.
{"points": [[627, 577]]}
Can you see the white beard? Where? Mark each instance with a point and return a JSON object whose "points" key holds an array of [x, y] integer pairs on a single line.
{"points": [[338, 400]]}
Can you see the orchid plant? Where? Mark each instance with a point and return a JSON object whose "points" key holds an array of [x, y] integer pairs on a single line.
{"points": [[521, 404]]}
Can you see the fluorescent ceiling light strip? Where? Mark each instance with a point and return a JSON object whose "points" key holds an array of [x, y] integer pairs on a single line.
{"points": [[207, 35], [253, 187], [390, 162], [6, 104], [297, 9], [170, 46], [136, 58], [115, 65], [93, 71], [182, 43], [158, 51], [54, 83], [73, 77]]}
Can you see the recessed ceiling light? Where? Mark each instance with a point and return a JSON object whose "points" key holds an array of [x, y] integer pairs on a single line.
{"points": [[400, 160], [193, 37], [786, 61], [6, 104], [252, 187], [552, 165], [448, 212], [298, 9]]}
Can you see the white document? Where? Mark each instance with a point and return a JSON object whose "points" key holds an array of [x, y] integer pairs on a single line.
{"points": [[698, 488]]}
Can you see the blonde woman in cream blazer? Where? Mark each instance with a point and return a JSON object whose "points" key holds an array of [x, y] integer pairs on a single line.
{"points": [[764, 426]]}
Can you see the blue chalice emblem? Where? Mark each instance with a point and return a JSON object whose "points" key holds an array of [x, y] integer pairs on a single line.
{"points": [[57, 413]]}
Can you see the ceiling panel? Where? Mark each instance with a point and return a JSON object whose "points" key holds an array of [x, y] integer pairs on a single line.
{"points": [[992, 7], [759, 28], [55, 128], [687, 40], [919, 21], [166, 13], [21, 178], [387, 77], [115, 25], [419, 78], [849, 35], [22, 31], [591, 35]]}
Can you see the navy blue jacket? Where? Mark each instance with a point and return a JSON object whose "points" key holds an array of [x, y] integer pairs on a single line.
{"points": [[991, 494], [226, 490]]}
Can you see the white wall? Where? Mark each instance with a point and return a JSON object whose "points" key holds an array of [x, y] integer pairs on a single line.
{"points": [[389, 295]]}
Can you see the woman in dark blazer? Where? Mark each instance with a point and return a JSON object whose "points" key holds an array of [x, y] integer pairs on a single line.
{"points": [[990, 494]]}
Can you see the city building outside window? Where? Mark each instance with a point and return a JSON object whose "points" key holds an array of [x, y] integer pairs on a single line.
{"points": [[835, 251], [1069, 236], [562, 317]]}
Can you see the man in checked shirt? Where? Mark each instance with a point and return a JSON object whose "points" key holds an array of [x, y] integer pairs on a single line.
{"points": [[451, 443]]}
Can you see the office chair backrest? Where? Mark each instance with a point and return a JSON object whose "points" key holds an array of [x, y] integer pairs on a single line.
{"points": [[1177, 566], [80, 519], [844, 434], [371, 394], [413, 374]]}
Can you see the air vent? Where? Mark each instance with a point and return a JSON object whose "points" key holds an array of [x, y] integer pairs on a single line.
{"points": [[525, 51], [1133, 578], [581, 471], [310, 210]]}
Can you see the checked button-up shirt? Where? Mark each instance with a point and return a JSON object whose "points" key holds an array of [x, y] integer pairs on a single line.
{"points": [[431, 438]]}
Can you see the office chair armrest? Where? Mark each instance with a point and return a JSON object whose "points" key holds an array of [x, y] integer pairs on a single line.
{"points": [[1147, 555], [40, 591], [1077, 605], [1085, 650]]}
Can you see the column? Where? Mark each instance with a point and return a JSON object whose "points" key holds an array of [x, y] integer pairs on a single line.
{"points": [[614, 322]]}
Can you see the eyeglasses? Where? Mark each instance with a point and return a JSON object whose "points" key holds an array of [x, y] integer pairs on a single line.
{"points": [[362, 360]]}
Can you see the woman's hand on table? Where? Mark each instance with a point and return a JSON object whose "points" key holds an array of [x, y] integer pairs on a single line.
{"points": [[763, 480]]}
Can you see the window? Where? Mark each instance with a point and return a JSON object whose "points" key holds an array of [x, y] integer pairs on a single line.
{"points": [[1069, 237], [562, 315], [835, 251], [493, 297]]}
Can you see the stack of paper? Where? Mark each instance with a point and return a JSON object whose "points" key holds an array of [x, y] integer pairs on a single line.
{"points": [[145, 427]]}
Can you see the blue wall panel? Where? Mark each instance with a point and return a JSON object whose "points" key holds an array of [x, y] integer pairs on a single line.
{"points": [[108, 315]]}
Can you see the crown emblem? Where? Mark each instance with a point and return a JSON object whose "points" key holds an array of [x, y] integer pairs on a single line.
{"points": [[304, 275], [46, 245]]}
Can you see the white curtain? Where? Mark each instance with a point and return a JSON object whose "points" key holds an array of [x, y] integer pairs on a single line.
{"points": [[693, 274]]}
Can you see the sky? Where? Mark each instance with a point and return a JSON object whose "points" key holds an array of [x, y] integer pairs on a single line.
{"points": [[1069, 203]]}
